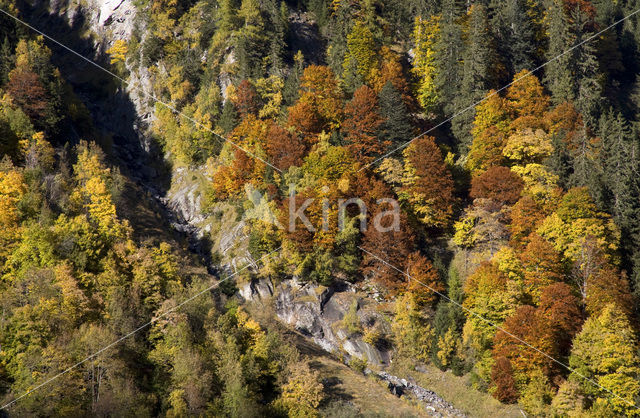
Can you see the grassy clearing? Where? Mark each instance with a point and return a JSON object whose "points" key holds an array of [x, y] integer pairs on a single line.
{"points": [[456, 390]]}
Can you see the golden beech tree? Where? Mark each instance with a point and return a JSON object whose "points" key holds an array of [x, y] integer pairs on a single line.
{"points": [[527, 101], [361, 124], [527, 146], [303, 391], [391, 71], [576, 219], [605, 351], [12, 189], [491, 128], [488, 296], [320, 104], [427, 184]]}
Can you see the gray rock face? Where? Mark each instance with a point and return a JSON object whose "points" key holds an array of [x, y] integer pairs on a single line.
{"points": [[257, 289], [317, 312]]}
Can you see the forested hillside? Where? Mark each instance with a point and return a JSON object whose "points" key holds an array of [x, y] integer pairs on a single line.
{"points": [[505, 132]]}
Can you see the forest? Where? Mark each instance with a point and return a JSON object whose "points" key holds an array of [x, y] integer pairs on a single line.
{"points": [[506, 130]]}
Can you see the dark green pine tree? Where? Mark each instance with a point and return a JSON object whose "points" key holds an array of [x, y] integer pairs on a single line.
{"points": [[229, 117], [320, 10], [396, 127], [278, 16], [617, 78], [352, 81], [588, 170], [398, 13], [447, 57], [449, 317], [6, 60], [292, 82], [620, 168], [475, 81], [520, 36], [338, 30], [560, 160], [622, 180], [558, 77], [588, 90], [243, 58]]}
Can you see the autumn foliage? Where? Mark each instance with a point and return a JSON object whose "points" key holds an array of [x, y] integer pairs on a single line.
{"points": [[27, 90], [361, 124], [427, 183], [497, 183]]}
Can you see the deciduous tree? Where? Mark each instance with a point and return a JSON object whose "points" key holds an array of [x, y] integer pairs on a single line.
{"points": [[427, 183], [361, 124], [605, 351], [497, 183]]}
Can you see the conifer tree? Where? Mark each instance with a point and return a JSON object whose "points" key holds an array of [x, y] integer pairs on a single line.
{"points": [[558, 77], [587, 76], [475, 81], [6, 60], [520, 39], [229, 117], [278, 16], [448, 51], [292, 81], [396, 126]]}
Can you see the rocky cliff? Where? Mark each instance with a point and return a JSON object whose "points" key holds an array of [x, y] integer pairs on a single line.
{"points": [[319, 312]]}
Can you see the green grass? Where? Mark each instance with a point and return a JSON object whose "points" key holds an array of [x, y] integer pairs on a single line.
{"points": [[457, 391]]}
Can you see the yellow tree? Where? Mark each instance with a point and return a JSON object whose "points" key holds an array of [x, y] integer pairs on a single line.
{"points": [[303, 392], [605, 351], [576, 220], [361, 54], [425, 35], [12, 189], [527, 146], [118, 52], [527, 101], [490, 131]]}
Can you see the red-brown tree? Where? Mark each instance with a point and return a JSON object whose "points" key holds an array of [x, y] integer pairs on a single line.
{"points": [[499, 184], [27, 91], [361, 124], [283, 147]]}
